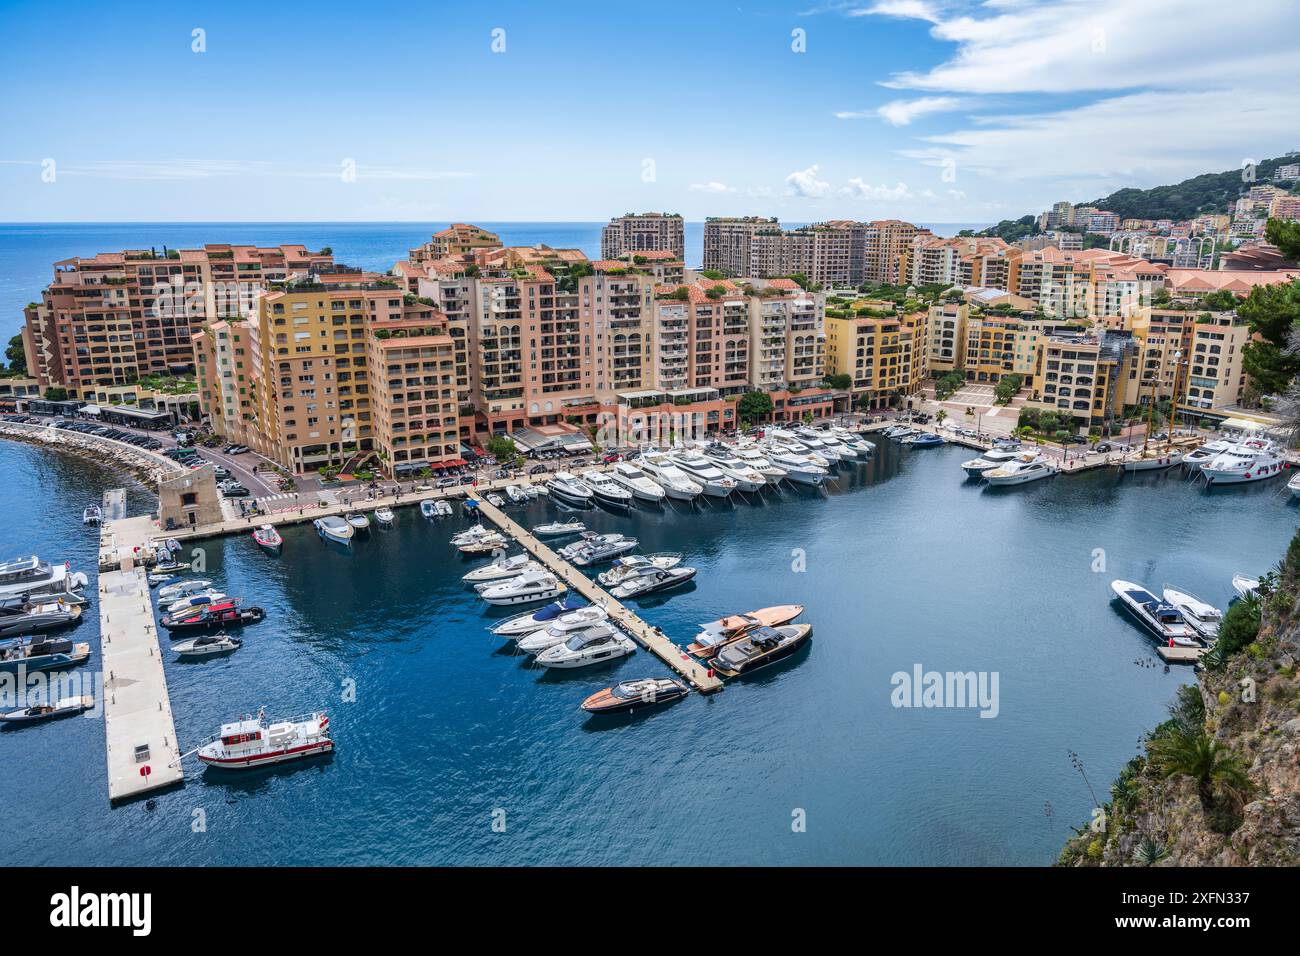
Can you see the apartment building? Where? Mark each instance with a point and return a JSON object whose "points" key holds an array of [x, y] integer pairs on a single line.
{"points": [[643, 232], [1214, 376], [1085, 374], [727, 242], [787, 336], [1087, 283], [700, 337], [457, 241], [1162, 339], [108, 320], [886, 243], [946, 351], [961, 261], [884, 357], [617, 302]]}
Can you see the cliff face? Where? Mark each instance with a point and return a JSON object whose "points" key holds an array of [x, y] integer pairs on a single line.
{"points": [[1219, 783]]}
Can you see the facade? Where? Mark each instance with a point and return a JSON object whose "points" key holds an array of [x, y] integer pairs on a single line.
{"points": [[884, 357], [643, 232], [727, 242], [1085, 375], [457, 241], [1214, 377]]}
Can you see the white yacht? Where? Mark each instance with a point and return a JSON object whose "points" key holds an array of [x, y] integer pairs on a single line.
{"points": [[1161, 619], [1253, 460], [525, 622], [989, 460], [592, 646], [334, 528], [747, 477], [1203, 618], [796, 447], [704, 473], [1245, 585], [1025, 467], [675, 482], [595, 548], [570, 489], [1205, 453], [797, 468], [809, 440], [561, 629], [471, 535], [559, 529], [35, 577], [853, 440], [631, 564], [826, 442], [644, 488], [537, 585], [500, 569], [1294, 485], [607, 491], [753, 456], [652, 581]]}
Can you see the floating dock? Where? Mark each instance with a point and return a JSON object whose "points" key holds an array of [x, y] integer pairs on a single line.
{"points": [[139, 732], [1178, 654], [651, 638]]}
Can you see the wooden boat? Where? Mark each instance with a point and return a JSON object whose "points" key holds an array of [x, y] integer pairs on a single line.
{"points": [[634, 695], [717, 634], [758, 648], [268, 539]]}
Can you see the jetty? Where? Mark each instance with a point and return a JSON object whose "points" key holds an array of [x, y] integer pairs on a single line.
{"points": [[140, 735], [651, 638], [1177, 654]]}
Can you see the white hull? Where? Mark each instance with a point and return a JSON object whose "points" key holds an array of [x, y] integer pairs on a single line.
{"points": [[1153, 464], [531, 597], [1019, 478], [266, 760]]}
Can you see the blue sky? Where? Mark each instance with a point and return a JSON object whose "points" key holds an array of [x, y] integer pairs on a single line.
{"points": [[935, 111]]}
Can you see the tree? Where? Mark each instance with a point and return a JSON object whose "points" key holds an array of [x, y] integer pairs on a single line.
{"points": [[16, 355], [754, 406], [1271, 312], [1285, 234], [56, 393], [1007, 387], [839, 381], [864, 402], [945, 386], [1216, 770], [502, 448]]}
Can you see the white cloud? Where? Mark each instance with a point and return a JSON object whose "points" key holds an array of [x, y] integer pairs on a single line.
{"points": [[904, 9], [712, 186], [805, 183], [902, 112], [858, 188], [196, 169]]}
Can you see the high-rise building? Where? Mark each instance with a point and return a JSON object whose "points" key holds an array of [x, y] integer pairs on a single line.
{"points": [[727, 242], [643, 232], [886, 243], [457, 241]]}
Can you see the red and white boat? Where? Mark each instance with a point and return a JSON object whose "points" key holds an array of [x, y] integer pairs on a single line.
{"points": [[252, 742], [268, 538]]}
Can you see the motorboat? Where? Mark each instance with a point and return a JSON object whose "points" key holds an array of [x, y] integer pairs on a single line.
{"points": [[862, 446], [628, 565], [489, 544], [570, 489], [532, 492], [747, 478], [429, 508], [807, 442], [33, 577], [924, 440], [526, 588], [1294, 485], [759, 647], [704, 473], [607, 491], [209, 645], [797, 468], [155, 578], [516, 494], [1206, 453], [559, 529], [358, 521], [643, 488], [829, 442], [251, 742], [501, 569], [210, 596], [630, 695], [63, 707], [471, 534], [1246, 461], [180, 589], [664, 472], [1151, 459], [897, 432], [1025, 467], [40, 653], [529, 621], [562, 628], [384, 516], [1157, 616], [799, 449], [988, 460], [594, 645], [268, 539], [91, 515], [718, 633], [652, 581], [212, 617], [334, 528], [495, 500], [595, 548], [1203, 617], [1245, 585], [35, 618], [754, 458], [442, 508]]}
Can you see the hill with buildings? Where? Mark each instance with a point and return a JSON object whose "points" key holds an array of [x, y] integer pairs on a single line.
{"points": [[1209, 193]]}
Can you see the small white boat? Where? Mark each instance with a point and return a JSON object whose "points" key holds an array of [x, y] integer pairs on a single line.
{"points": [[156, 578], [594, 645], [607, 491], [561, 629], [385, 516], [63, 707], [1203, 617], [516, 494], [495, 500], [529, 621], [208, 645], [501, 569], [358, 521], [1294, 485], [1026, 467], [627, 475], [182, 589], [526, 588], [442, 508], [91, 515], [988, 460], [333, 528], [559, 529], [473, 533], [428, 508], [1158, 617], [251, 742], [629, 565], [268, 539], [1152, 460], [1245, 585], [192, 601]]}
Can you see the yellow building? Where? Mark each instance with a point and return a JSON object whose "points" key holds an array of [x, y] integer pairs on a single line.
{"points": [[883, 357]]}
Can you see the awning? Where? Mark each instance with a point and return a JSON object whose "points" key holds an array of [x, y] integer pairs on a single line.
{"points": [[90, 409]]}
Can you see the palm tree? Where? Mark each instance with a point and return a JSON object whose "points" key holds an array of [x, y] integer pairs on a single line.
{"points": [[1213, 767], [1149, 852]]}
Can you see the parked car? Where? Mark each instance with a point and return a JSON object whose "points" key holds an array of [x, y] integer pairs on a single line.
{"points": [[448, 482], [612, 457], [237, 491]]}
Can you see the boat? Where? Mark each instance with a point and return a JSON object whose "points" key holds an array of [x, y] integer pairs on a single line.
{"points": [[208, 645], [595, 548], [631, 564], [1202, 617], [384, 516], [862, 446], [516, 494], [495, 500], [753, 457], [212, 617], [665, 473], [1197, 457], [180, 589], [268, 539], [532, 492], [34, 618], [358, 521], [988, 460], [40, 653], [924, 440], [630, 695], [180, 605], [63, 707], [569, 489], [1294, 485], [747, 478], [607, 491], [759, 647], [643, 488], [594, 645], [897, 432], [718, 633], [529, 621], [808, 443], [1151, 460], [500, 569], [652, 581], [1246, 461], [91, 515], [490, 544], [798, 468], [33, 577], [155, 578], [334, 528], [1245, 585], [562, 628], [538, 585], [471, 534], [559, 529], [704, 473], [428, 508], [1025, 467], [1158, 617], [250, 743], [442, 508]]}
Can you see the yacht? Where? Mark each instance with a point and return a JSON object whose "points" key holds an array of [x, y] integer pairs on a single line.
{"points": [[753, 456], [18, 619], [1151, 459], [180, 589], [809, 443], [633, 694], [472, 534], [333, 528], [653, 580], [989, 460], [923, 440], [853, 440], [34, 577], [592, 646], [1025, 467], [897, 432], [212, 617], [675, 482], [91, 515], [1161, 619], [595, 548], [358, 521], [40, 653], [490, 543], [527, 622], [384, 516], [562, 628], [1206, 453], [632, 564], [572, 491], [208, 645], [209, 596], [824, 441], [500, 569], [795, 447], [252, 742], [607, 491], [1245, 585], [538, 585], [1246, 461], [718, 633], [747, 478], [268, 539], [1294, 485], [1203, 618], [516, 494], [760, 647], [797, 468], [704, 473], [559, 529], [644, 488], [63, 707]]}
